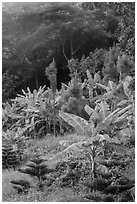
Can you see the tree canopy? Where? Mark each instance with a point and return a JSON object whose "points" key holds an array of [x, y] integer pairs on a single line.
{"points": [[35, 33]]}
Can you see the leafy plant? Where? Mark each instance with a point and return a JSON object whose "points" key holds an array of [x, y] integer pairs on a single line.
{"points": [[37, 168], [72, 98], [51, 73], [71, 177], [23, 110], [117, 65], [9, 86], [13, 148], [35, 112], [94, 62], [93, 143], [10, 158], [8, 116], [92, 85]]}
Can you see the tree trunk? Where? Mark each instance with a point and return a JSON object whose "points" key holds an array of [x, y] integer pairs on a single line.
{"points": [[60, 123], [54, 126]]}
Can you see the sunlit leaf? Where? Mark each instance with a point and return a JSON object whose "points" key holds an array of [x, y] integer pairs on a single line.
{"points": [[91, 112], [81, 126]]}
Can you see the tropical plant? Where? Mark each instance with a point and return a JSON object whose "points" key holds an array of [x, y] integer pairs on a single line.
{"points": [[70, 30], [104, 151], [93, 90], [114, 93], [93, 143], [35, 112], [8, 118], [33, 106]]}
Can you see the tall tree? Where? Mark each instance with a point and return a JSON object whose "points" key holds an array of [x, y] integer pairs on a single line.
{"points": [[35, 33]]}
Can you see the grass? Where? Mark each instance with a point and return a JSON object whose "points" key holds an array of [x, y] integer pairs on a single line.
{"points": [[47, 147], [8, 192]]}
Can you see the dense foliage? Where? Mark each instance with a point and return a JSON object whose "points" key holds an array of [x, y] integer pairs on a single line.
{"points": [[70, 68], [72, 30]]}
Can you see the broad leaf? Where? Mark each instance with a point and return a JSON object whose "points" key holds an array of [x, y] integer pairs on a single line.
{"points": [[73, 149], [90, 78], [104, 108], [122, 103], [97, 78], [122, 114], [103, 87], [111, 85], [126, 85], [81, 126], [110, 117], [91, 112]]}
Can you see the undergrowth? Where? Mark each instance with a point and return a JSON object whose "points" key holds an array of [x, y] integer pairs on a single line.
{"points": [[58, 191]]}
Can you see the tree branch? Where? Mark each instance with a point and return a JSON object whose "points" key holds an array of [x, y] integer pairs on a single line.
{"points": [[63, 50], [77, 48], [71, 46]]}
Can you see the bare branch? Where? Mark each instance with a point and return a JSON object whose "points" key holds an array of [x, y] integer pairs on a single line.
{"points": [[77, 48], [71, 46], [63, 50]]}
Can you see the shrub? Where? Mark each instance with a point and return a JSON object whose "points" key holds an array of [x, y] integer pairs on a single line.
{"points": [[36, 168], [13, 148], [9, 86]]}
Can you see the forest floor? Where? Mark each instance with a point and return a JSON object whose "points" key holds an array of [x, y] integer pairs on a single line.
{"points": [[47, 147]]}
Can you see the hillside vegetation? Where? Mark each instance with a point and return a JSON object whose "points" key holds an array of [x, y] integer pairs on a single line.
{"points": [[68, 111]]}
